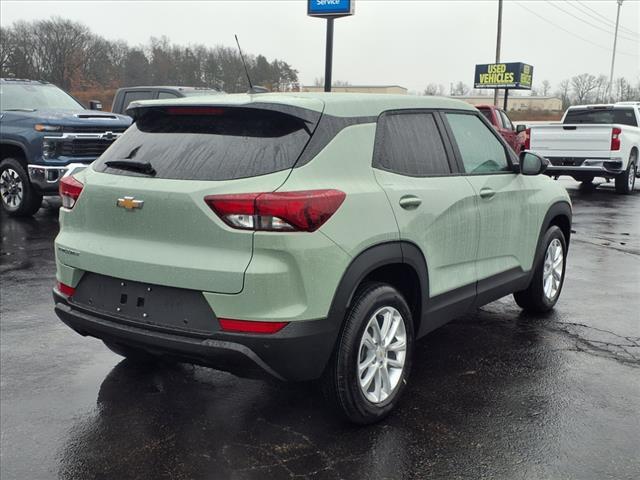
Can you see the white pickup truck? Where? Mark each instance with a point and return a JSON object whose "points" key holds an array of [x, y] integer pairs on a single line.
{"points": [[592, 141]]}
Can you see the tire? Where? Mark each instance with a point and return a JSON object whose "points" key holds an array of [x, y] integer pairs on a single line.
{"points": [[19, 198], [536, 298], [134, 355], [627, 179], [373, 303]]}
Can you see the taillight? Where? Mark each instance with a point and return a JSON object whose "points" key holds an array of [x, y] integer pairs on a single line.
{"points": [[303, 211], [615, 138], [70, 190], [66, 290], [247, 326], [527, 139]]}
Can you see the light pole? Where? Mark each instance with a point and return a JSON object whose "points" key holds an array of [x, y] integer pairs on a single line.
{"points": [[495, 92], [613, 56]]}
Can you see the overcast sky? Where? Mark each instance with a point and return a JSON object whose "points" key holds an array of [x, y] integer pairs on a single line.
{"points": [[409, 43]]}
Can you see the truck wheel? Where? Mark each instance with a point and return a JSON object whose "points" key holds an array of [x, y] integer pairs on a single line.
{"points": [[548, 277], [627, 179], [19, 198], [372, 358]]}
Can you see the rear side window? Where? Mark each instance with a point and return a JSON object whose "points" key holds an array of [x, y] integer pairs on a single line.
{"points": [[206, 143], [480, 150], [162, 95], [136, 95], [487, 114], [410, 144], [506, 123], [624, 116]]}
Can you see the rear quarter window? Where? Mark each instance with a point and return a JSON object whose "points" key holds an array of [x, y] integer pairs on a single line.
{"points": [[209, 143], [410, 144]]}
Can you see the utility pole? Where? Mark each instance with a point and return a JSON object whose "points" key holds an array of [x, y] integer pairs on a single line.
{"points": [[613, 56], [498, 40]]}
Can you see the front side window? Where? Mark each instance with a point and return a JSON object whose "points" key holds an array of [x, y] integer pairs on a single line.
{"points": [[410, 144], [479, 148]]}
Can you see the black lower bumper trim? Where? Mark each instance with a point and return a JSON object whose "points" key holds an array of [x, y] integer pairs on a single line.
{"points": [[298, 352]]}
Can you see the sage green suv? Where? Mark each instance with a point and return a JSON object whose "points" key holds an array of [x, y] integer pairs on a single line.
{"points": [[304, 236]]}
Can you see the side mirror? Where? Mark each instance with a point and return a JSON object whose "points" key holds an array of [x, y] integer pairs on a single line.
{"points": [[520, 128], [532, 164], [95, 105]]}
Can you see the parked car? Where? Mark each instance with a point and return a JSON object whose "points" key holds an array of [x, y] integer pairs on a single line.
{"points": [[304, 236], [124, 96], [501, 122], [592, 141], [45, 134]]}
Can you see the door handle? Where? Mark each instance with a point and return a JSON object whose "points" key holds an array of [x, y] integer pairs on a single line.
{"points": [[409, 202], [487, 193]]}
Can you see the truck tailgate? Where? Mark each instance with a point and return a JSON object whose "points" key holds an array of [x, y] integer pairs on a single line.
{"points": [[562, 140]]}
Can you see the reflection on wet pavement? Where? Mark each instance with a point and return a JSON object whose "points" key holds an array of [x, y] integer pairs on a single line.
{"points": [[495, 394]]}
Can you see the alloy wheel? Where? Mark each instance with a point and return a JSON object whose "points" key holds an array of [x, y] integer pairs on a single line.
{"points": [[553, 267], [11, 188], [382, 354]]}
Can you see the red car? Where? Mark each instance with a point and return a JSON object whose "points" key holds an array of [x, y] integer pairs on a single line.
{"points": [[501, 122]]}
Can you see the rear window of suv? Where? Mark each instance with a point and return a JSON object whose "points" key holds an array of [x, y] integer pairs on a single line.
{"points": [[210, 143], [624, 116]]}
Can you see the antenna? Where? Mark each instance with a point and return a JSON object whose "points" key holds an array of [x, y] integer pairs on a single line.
{"points": [[244, 63]]}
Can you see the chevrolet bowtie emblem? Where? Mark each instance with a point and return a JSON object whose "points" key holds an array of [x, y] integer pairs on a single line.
{"points": [[129, 203]]}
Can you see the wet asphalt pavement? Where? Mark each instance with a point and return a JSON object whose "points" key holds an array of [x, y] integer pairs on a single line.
{"points": [[495, 394]]}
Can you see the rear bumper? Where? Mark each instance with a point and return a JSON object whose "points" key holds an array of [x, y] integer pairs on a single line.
{"points": [[298, 352], [46, 178], [607, 168]]}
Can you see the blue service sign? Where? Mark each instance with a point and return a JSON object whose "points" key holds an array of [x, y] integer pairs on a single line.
{"points": [[330, 8]]}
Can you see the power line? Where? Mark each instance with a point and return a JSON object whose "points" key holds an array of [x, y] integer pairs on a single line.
{"points": [[570, 32], [599, 16], [606, 30]]}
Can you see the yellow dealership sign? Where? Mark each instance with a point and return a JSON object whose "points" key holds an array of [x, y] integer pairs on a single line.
{"points": [[504, 75]]}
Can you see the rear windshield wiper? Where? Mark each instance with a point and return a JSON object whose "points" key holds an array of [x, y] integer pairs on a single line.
{"points": [[142, 167], [19, 109]]}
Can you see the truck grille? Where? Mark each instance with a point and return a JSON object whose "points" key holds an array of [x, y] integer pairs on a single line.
{"points": [[84, 147]]}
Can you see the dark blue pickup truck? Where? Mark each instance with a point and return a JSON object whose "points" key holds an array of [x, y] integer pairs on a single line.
{"points": [[46, 134]]}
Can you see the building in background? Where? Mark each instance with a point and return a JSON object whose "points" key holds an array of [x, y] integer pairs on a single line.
{"points": [[517, 103], [397, 89]]}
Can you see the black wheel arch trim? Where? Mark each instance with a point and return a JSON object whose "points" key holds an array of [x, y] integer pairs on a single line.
{"points": [[14, 143], [559, 209], [380, 255]]}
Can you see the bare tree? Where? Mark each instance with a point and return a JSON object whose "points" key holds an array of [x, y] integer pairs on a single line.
{"points": [[60, 49], [564, 93], [545, 90], [68, 54], [6, 48], [460, 89], [434, 89], [602, 89], [624, 91], [583, 85]]}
